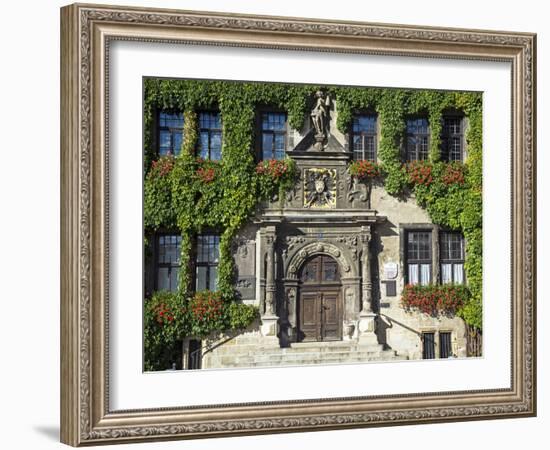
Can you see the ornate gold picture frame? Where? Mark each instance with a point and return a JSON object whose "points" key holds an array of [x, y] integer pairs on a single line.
{"points": [[87, 32]]}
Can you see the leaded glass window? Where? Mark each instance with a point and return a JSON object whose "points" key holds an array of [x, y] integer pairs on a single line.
{"points": [[363, 137], [170, 133], [273, 135], [168, 262], [451, 259], [452, 139], [417, 139], [419, 257], [210, 135], [207, 260]]}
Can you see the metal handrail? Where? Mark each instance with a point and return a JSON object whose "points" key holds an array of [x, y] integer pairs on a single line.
{"points": [[195, 357]]}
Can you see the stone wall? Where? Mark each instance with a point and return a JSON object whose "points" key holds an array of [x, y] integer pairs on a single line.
{"points": [[335, 227]]}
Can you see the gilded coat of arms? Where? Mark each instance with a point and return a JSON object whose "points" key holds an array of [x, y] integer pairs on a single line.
{"points": [[320, 188]]}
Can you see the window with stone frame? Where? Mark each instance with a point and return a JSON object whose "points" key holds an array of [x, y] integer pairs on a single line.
{"points": [[210, 135], [167, 262], [364, 137], [451, 257], [170, 132], [273, 135], [444, 347], [417, 139], [207, 258], [419, 257], [428, 345], [445, 344], [452, 138]]}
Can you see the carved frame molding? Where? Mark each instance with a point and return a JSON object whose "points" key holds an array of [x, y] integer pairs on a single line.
{"points": [[86, 32]]}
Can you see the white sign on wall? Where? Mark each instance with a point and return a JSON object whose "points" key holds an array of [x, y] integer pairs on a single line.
{"points": [[390, 270]]}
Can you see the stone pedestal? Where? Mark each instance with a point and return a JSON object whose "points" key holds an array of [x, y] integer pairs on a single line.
{"points": [[270, 326], [367, 329]]}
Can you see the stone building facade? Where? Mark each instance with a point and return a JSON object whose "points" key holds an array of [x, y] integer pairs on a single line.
{"points": [[327, 265]]}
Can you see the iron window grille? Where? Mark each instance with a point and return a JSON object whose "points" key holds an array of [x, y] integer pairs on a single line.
{"points": [[428, 345], [445, 346]]}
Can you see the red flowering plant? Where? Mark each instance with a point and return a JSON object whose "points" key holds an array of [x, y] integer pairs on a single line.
{"points": [[454, 173], [162, 166], [207, 170], [420, 172], [273, 174], [164, 323], [433, 299], [365, 170], [207, 313]]}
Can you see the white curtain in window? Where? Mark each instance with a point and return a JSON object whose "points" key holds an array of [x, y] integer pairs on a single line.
{"points": [[163, 279], [201, 278], [413, 273], [213, 280], [446, 273], [425, 274], [459, 273]]}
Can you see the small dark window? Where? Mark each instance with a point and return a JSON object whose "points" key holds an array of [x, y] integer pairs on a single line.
{"points": [[419, 257], [428, 345], [445, 349], [451, 247], [170, 133], [418, 134], [208, 255], [210, 136], [273, 135], [168, 262], [452, 139], [194, 360], [363, 137]]}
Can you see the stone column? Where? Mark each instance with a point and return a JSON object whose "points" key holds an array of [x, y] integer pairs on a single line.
{"points": [[367, 316], [270, 276], [366, 294], [269, 318]]}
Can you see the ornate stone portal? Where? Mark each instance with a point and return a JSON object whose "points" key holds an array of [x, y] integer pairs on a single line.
{"points": [[321, 221]]}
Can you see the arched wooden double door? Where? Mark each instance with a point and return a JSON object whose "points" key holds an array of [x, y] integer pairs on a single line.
{"points": [[320, 301]]}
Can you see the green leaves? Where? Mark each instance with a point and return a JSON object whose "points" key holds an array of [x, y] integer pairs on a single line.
{"points": [[170, 317], [195, 195]]}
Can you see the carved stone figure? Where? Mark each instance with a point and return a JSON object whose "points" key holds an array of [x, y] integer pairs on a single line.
{"points": [[319, 117]]}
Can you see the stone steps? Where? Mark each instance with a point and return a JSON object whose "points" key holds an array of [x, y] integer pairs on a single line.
{"points": [[257, 355], [297, 360]]}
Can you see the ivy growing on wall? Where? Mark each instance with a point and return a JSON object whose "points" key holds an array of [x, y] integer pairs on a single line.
{"points": [[191, 195], [451, 193]]}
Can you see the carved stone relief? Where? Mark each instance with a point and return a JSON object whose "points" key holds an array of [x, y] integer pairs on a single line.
{"points": [[320, 188], [244, 255], [358, 191], [290, 242], [315, 248]]}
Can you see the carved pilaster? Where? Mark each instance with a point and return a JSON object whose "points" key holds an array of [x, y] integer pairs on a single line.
{"points": [[270, 276], [366, 286]]}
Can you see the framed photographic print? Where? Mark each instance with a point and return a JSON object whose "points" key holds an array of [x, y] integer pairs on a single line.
{"points": [[282, 224]]}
